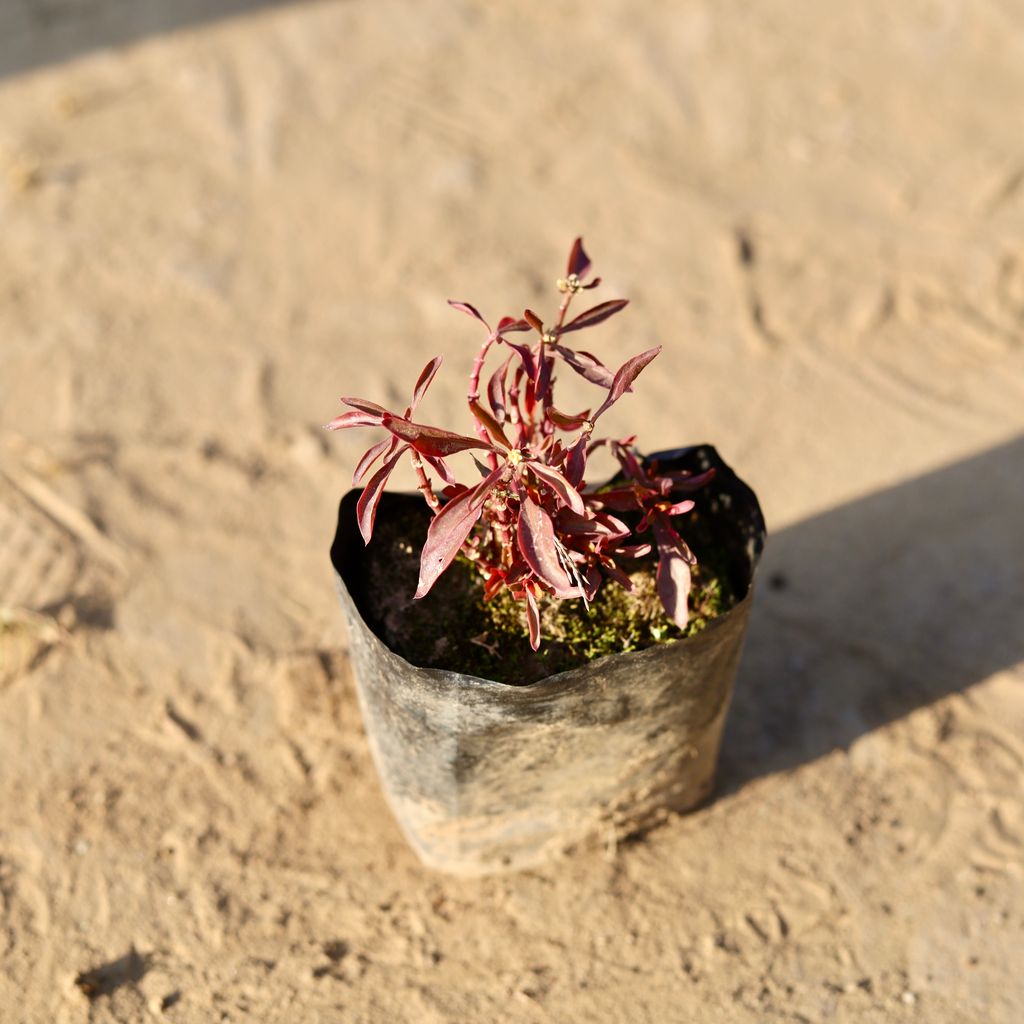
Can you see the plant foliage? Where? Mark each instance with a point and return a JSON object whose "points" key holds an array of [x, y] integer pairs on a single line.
{"points": [[530, 521]]}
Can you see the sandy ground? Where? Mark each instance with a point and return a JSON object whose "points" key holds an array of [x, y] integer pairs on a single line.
{"points": [[211, 231]]}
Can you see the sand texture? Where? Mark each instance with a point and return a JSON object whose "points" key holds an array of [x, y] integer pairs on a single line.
{"points": [[217, 217]]}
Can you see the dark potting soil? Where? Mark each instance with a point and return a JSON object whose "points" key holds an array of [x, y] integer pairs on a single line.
{"points": [[454, 628]]}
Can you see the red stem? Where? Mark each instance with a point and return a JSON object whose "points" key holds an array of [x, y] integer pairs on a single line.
{"points": [[474, 393], [424, 488]]}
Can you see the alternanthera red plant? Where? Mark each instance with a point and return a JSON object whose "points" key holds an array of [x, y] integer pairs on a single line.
{"points": [[531, 523]]}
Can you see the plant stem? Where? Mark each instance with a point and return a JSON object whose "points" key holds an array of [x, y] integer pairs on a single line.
{"points": [[473, 394], [424, 488]]}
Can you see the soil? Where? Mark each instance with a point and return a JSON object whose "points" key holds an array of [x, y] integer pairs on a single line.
{"points": [[454, 628]]}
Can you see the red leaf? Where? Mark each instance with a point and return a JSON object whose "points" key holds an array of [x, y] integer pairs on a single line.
{"points": [[361, 403], [595, 316], [576, 462], [516, 572], [536, 535], [630, 464], [449, 529], [369, 458], [579, 262], [543, 382], [440, 467], [465, 307], [424, 382], [366, 506], [625, 375], [534, 321], [496, 390], [565, 490], [673, 582], [356, 418], [620, 499], [588, 366], [687, 482], [490, 424], [510, 323], [526, 355], [431, 440], [673, 579], [572, 524], [567, 422], [533, 619], [679, 508], [487, 485], [617, 574]]}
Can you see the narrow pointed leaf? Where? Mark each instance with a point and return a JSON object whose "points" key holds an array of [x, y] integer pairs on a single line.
{"points": [[431, 440], [673, 583], [469, 310], [579, 262], [572, 524], [356, 418], [544, 368], [440, 467], [361, 403], [526, 355], [620, 499], [447, 533], [566, 421], [617, 574], [588, 366], [679, 508], [369, 458], [510, 323], [484, 488], [424, 382], [536, 535], [630, 464], [576, 462], [688, 482], [558, 483], [598, 314], [673, 579], [618, 528], [366, 506], [490, 424], [533, 619], [496, 390], [625, 375]]}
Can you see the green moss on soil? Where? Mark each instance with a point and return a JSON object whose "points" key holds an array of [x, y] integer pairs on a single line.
{"points": [[454, 628]]}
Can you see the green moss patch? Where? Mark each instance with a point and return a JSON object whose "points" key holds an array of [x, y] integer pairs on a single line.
{"points": [[454, 628]]}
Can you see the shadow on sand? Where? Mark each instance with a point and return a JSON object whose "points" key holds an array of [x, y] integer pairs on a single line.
{"points": [[34, 33], [878, 607]]}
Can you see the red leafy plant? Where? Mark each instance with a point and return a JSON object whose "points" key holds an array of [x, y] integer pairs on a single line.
{"points": [[531, 523]]}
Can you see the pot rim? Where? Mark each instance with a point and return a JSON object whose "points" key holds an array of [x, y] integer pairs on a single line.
{"points": [[567, 679]]}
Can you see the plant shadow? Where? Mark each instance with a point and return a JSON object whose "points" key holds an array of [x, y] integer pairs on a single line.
{"points": [[878, 607], [34, 33]]}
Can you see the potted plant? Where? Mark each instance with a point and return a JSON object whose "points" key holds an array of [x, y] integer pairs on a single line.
{"points": [[540, 657]]}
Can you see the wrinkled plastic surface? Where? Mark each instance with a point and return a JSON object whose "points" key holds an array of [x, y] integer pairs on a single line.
{"points": [[486, 776]]}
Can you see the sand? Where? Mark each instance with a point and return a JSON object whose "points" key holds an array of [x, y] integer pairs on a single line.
{"points": [[213, 228]]}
